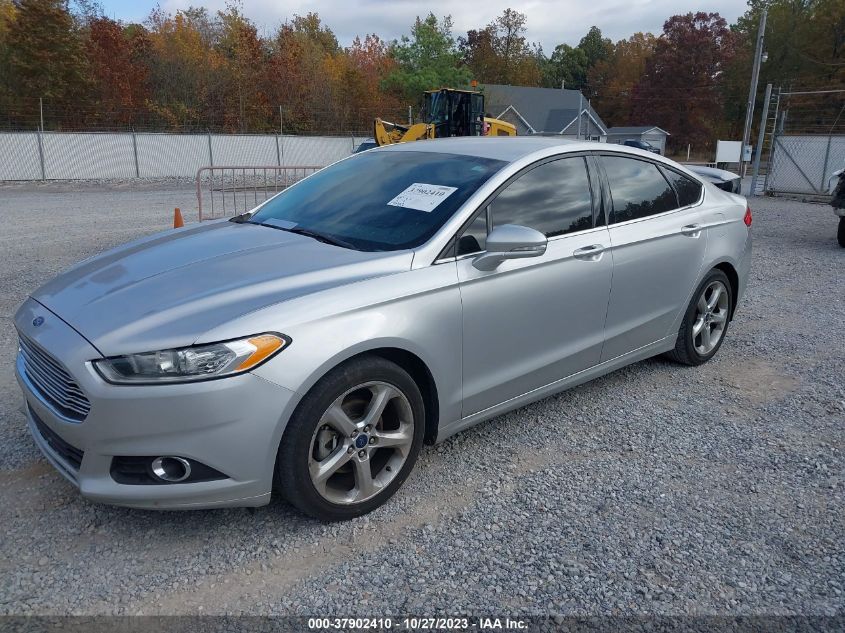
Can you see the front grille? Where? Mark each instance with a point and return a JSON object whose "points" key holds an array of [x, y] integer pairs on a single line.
{"points": [[53, 382], [70, 454]]}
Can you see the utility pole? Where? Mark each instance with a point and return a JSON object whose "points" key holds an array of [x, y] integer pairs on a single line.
{"points": [[580, 108], [752, 91], [41, 112], [761, 138]]}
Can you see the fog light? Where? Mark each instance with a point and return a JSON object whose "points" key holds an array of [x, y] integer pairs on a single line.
{"points": [[171, 469]]}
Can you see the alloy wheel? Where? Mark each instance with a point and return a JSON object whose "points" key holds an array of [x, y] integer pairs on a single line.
{"points": [[361, 442], [711, 317]]}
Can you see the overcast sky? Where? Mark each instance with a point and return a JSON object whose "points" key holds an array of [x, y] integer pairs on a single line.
{"points": [[550, 22]]}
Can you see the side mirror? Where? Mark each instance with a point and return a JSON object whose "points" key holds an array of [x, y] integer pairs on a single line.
{"points": [[510, 241]]}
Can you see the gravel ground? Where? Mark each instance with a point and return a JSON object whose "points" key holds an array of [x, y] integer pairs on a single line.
{"points": [[658, 489]]}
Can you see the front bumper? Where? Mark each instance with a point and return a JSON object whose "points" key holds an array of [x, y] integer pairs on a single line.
{"points": [[233, 425]]}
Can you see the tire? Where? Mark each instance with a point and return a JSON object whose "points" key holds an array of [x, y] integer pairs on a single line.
{"points": [[840, 234], [328, 449], [697, 337]]}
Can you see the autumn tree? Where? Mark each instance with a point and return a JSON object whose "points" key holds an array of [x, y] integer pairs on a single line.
{"points": [[118, 70], [612, 79], [8, 12], [197, 70], [242, 54], [301, 54], [426, 60], [369, 61], [185, 67], [500, 53], [45, 56], [680, 89]]}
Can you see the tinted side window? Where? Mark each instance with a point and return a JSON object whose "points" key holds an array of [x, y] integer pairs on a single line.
{"points": [[689, 191], [553, 198], [637, 188]]}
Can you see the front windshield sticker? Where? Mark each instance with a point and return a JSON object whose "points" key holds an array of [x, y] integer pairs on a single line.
{"points": [[422, 197]]}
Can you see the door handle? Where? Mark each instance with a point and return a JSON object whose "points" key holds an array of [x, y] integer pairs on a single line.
{"points": [[590, 253], [691, 230]]}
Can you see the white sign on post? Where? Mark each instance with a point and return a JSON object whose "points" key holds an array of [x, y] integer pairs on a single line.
{"points": [[728, 151]]}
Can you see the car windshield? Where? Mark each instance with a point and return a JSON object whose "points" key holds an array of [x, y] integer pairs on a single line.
{"points": [[379, 201]]}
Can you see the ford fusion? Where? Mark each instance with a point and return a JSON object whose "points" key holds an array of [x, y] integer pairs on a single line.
{"points": [[310, 347]]}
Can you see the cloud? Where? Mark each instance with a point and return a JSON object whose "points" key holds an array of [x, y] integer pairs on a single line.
{"points": [[550, 22]]}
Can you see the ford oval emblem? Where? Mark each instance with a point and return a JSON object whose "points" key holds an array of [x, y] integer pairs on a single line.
{"points": [[37, 321]]}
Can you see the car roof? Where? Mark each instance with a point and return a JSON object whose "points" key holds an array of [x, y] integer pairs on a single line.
{"points": [[506, 148]]}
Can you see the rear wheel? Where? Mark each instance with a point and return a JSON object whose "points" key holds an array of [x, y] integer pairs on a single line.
{"points": [[705, 322], [352, 441], [840, 234]]}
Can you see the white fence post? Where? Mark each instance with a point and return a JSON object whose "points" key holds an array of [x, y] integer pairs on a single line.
{"points": [[135, 153], [41, 155]]}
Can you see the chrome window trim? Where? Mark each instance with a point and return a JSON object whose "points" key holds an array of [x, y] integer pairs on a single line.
{"points": [[524, 169], [660, 167], [656, 215]]}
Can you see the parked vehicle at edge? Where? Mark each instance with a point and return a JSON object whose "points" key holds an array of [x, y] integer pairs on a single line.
{"points": [[392, 299], [363, 146], [643, 145], [838, 203], [722, 178]]}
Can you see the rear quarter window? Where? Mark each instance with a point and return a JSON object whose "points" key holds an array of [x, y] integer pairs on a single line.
{"points": [[688, 190]]}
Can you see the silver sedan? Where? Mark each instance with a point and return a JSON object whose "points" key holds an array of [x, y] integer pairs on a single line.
{"points": [[311, 346]]}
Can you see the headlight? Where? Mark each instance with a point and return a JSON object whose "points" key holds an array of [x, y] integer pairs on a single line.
{"points": [[199, 362]]}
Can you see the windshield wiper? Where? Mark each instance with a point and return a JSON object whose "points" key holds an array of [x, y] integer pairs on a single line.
{"points": [[320, 237]]}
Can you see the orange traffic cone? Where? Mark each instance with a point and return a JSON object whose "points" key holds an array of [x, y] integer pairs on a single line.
{"points": [[178, 222]]}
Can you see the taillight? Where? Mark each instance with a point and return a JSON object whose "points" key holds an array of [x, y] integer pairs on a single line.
{"points": [[747, 218]]}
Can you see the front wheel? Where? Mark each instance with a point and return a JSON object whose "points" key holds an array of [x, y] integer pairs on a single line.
{"points": [[352, 441], [705, 322], [840, 234]]}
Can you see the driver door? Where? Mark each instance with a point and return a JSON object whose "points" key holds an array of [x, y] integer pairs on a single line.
{"points": [[533, 321]]}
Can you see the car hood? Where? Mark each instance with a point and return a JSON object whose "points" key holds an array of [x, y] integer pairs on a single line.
{"points": [[167, 290]]}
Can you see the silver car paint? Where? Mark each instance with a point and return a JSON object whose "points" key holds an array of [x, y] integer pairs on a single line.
{"points": [[516, 339], [163, 292], [335, 304], [657, 260]]}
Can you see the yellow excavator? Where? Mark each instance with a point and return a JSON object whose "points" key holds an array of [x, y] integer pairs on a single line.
{"points": [[446, 112]]}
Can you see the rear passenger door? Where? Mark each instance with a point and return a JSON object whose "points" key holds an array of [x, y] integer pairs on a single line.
{"points": [[533, 321], [658, 245]]}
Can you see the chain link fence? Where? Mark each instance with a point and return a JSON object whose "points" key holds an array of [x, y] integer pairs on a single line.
{"points": [[125, 155], [807, 142], [804, 164]]}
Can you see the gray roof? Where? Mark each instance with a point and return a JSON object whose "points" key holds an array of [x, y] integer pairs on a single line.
{"points": [[544, 109], [638, 129]]}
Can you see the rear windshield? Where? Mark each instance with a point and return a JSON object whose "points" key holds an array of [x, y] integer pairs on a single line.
{"points": [[380, 201]]}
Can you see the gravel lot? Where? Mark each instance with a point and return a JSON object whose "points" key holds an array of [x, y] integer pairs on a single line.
{"points": [[656, 490]]}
